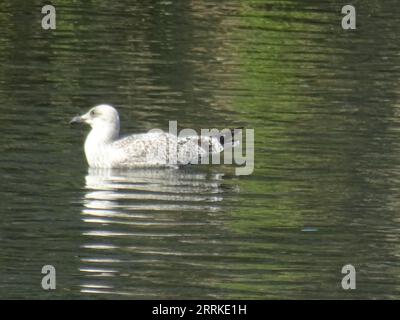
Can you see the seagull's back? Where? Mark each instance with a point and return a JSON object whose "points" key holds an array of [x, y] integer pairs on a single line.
{"points": [[156, 149]]}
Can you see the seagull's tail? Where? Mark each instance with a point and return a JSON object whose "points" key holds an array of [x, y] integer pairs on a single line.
{"points": [[227, 138], [232, 139]]}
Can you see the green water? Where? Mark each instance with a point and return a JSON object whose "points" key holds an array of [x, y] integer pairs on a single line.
{"points": [[324, 104]]}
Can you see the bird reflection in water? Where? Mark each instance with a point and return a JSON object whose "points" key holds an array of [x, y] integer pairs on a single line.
{"points": [[138, 220]]}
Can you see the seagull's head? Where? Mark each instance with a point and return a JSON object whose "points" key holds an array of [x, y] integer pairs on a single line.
{"points": [[100, 117]]}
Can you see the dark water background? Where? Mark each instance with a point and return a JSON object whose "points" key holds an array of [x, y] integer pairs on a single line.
{"points": [[325, 192]]}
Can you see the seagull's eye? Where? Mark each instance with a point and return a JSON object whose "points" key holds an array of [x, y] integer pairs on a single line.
{"points": [[92, 113]]}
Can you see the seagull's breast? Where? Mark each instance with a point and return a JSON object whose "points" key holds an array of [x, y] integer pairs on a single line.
{"points": [[96, 154], [98, 151]]}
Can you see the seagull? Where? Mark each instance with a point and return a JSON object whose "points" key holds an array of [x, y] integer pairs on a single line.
{"points": [[104, 148]]}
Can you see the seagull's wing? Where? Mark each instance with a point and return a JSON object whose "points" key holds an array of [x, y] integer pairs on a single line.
{"points": [[144, 149], [161, 148]]}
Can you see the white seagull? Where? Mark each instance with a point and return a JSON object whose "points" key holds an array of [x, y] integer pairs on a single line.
{"points": [[104, 148]]}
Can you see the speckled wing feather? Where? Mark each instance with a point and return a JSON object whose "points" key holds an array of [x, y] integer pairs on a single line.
{"points": [[155, 149], [148, 149]]}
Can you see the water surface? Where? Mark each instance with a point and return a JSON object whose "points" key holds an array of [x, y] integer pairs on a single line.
{"points": [[324, 104]]}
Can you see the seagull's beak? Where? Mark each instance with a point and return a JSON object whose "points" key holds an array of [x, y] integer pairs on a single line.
{"points": [[78, 119]]}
